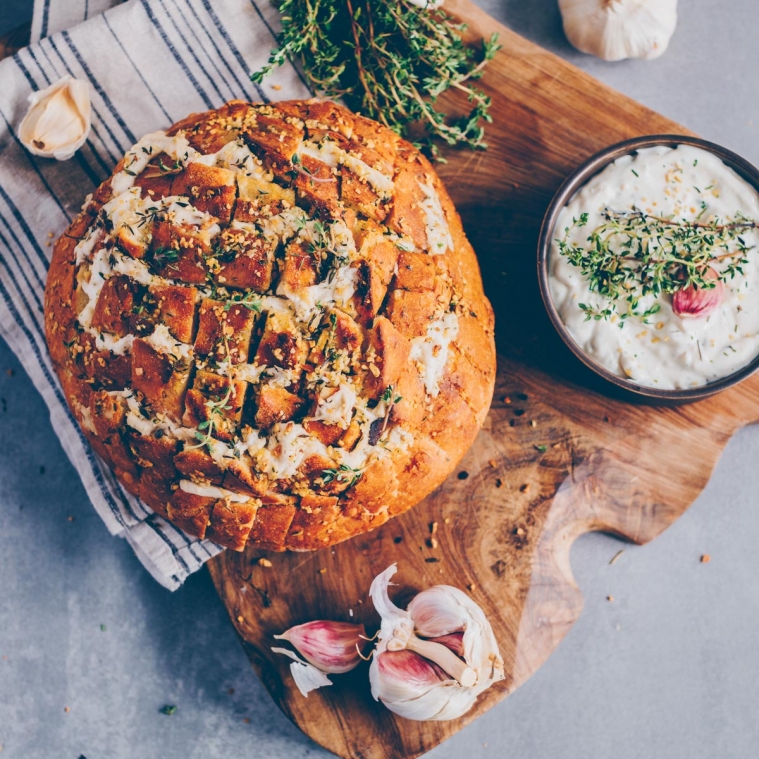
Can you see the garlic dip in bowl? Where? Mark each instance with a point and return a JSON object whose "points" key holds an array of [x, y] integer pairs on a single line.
{"points": [[649, 266]]}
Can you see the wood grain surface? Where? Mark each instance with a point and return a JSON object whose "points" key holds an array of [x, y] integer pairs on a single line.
{"points": [[508, 518]]}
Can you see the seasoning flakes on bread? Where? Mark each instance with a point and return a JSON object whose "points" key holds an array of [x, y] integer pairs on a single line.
{"points": [[270, 324]]}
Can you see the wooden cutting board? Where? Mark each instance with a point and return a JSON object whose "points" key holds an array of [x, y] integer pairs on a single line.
{"points": [[508, 517]]}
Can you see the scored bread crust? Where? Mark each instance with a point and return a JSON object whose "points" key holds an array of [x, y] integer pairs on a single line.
{"points": [[205, 315]]}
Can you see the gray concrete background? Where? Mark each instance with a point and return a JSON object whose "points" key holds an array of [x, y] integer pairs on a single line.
{"points": [[668, 669]]}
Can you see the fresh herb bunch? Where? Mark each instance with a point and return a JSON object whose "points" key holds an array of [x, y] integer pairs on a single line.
{"points": [[389, 60], [633, 254]]}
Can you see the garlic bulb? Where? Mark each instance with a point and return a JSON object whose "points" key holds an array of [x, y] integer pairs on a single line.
{"points": [[58, 121], [332, 647], [618, 29], [434, 659]]}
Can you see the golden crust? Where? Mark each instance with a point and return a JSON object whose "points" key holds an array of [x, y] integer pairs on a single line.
{"points": [[200, 293]]}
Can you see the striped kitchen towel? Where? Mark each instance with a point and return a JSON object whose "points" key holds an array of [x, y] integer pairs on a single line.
{"points": [[51, 16], [148, 64]]}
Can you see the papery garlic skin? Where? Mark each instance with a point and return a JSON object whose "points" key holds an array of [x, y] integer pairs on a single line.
{"points": [[332, 647], [413, 686], [429, 5], [619, 29], [306, 676], [58, 121]]}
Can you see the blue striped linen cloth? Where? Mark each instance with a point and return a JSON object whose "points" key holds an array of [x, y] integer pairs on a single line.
{"points": [[51, 16], [149, 63]]}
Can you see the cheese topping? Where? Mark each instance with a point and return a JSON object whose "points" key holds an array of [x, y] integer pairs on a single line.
{"points": [[329, 153], [439, 238], [209, 491], [337, 408], [431, 352]]}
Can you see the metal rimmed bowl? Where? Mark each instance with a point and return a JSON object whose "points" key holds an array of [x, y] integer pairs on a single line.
{"points": [[566, 192]]}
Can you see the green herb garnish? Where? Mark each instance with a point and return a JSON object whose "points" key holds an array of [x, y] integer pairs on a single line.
{"points": [[388, 60], [634, 254]]}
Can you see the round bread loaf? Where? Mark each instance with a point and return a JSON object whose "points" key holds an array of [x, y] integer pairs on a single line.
{"points": [[270, 324]]}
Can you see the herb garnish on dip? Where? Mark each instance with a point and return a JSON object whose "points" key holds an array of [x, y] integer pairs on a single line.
{"points": [[653, 268]]}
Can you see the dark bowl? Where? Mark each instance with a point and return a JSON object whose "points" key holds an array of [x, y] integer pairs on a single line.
{"points": [[571, 185]]}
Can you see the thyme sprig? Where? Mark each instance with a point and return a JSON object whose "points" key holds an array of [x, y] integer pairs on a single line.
{"points": [[632, 254], [343, 473], [389, 60]]}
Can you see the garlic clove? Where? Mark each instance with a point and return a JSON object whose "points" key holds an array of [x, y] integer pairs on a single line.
{"points": [[619, 29], [453, 641], [306, 676], [330, 646], [436, 612], [465, 651], [58, 121], [694, 303]]}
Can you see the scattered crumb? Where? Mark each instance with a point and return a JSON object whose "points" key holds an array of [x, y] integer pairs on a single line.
{"points": [[615, 558], [609, 598], [493, 463], [9, 372], [240, 619], [433, 528], [447, 520], [524, 488], [66, 709], [506, 399], [246, 720], [323, 571], [276, 86], [519, 531], [533, 423], [471, 587], [71, 519], [264, 563], [705, 559], [432, 543]]}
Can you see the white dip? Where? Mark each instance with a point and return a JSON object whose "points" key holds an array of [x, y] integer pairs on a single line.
{"points": [[665, 350]]}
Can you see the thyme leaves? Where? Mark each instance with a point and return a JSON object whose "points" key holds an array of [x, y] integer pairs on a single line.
{"points": [[633, 254], [390, 61]]}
